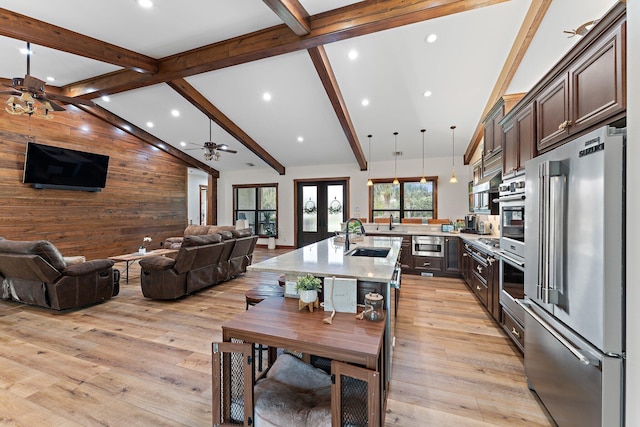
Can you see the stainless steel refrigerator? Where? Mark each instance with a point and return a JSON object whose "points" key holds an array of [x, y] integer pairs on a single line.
{"points": [[574, 279]]}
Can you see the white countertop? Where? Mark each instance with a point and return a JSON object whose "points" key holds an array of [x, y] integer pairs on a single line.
{"points": [[326, 258]]}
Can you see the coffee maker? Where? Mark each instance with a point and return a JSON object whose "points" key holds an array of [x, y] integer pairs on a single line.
{"points": [[470, 223]]}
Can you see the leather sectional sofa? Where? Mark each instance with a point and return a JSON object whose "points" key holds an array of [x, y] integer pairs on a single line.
{"points": [[202, 261], [195, 230], [36, 273]]}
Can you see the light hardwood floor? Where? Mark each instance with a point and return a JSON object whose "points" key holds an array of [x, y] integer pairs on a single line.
{"points": [[137, 362]]}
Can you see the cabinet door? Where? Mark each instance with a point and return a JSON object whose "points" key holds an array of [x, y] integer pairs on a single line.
{"points": [[451, 245], [597, 82], [509, 151], [526, 130], [493, 132], [405, 254], [552, 113]]}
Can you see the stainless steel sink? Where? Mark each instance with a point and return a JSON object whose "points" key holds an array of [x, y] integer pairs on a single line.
{"points": [[369, 252]]}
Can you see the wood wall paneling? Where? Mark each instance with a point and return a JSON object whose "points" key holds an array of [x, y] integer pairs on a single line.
{"points": [[145, 193]]}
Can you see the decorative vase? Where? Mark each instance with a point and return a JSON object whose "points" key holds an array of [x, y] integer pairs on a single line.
{"points": [[272, 243], [308, 296], [142, 250]]}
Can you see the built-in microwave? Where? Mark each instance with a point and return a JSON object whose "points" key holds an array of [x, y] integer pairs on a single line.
{"points": [[512, 216]]}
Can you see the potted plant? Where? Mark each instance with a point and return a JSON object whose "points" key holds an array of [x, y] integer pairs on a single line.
{"points": [[142, 248], [308, 287]]}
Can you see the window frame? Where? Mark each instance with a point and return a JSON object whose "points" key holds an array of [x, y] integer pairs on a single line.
{"points": [[257, 211], [401, 210]]}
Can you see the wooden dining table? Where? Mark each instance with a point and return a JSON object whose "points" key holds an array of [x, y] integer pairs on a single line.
{"points": [[277, 322]]}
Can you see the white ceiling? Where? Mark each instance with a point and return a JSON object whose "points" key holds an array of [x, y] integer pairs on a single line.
{"points": [[393, 69]]}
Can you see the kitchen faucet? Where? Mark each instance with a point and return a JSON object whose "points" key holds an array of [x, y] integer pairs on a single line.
{"points": [[391, 222], [346, 226]]}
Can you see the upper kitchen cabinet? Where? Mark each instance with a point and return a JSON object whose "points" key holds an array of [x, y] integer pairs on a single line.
{"points": [[587, 87], [519, 144], [494, 135]]}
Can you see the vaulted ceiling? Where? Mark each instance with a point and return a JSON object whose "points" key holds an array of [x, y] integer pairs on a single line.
{"points": [[214, 61]]}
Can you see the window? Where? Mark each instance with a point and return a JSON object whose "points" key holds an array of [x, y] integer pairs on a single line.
{"points": [[409, 199], [258, 204]]}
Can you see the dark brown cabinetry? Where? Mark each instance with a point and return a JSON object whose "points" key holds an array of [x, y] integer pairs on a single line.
{"points": [[587, 91], [519, 140], [492, 130], [451, 250], [405, 253]]}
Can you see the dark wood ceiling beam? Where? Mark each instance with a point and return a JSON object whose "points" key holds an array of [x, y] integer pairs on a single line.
{"points": [[203, 104], [323, 67], [131, 129], [351, 21], [21, 27], [528, 29], [292, 14]]}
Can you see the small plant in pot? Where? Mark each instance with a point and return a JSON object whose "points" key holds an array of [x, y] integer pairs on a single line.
{"points": [[308, 287]]}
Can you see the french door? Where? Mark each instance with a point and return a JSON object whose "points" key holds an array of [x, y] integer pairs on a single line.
{"points": [[321, 207]]}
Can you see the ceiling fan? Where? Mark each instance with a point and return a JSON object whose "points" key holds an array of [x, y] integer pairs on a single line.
{"points": [[211, 149], [27, 95]]}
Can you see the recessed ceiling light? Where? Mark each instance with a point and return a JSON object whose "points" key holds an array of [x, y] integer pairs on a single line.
{"points": [[175, 113], [127, 127], [51, 79], [300, 139], [430, 38], [426, 93], [365, 102], [353, 54], [249, 164], [182, 143], [266, 96], [149, 124], [105, 98], [145, 3]]}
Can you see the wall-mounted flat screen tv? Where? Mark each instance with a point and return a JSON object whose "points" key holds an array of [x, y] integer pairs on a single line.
{"points": [[55, 167]]}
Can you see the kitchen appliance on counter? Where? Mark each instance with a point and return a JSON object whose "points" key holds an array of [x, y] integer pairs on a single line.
{"points": [[484, 193], [574, 281], [470, 223], [484, 227]]}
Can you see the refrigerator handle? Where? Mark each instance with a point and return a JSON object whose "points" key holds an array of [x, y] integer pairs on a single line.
{"points": [[550, 230], [580, 355]]}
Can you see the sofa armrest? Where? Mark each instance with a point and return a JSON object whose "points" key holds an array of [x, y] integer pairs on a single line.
{"points": [[157, 263], [88, 267]]}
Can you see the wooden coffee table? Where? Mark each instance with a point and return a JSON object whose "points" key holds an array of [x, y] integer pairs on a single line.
{"points": [[131, 258]]}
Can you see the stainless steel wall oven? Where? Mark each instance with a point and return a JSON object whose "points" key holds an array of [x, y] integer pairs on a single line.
{"points": [[512, 285], [512, 216]]}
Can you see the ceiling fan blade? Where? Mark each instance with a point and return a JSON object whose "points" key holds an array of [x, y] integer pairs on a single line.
{"points": [[227, 150], [70, 100]]}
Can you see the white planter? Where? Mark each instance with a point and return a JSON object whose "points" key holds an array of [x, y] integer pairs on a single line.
{"points": [[142, 250], [308, 296], [272, 243]]}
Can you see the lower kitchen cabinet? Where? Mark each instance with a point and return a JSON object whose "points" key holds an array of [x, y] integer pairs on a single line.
{"points": [[480, 271], [427, 264], [513, 328], [451, 249]]}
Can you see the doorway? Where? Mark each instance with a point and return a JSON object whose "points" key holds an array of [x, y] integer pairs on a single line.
{"points": [[321, 208], [203, 204]]}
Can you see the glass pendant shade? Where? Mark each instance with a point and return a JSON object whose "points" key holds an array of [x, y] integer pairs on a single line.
{"points": [[453, 179]]}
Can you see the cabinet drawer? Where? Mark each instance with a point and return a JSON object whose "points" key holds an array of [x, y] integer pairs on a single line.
{"points": [[479, 287], [513, 329], [427, 263], [481, 269]]}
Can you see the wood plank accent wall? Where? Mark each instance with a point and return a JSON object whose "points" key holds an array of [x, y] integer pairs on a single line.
{"points": [[145, 193]]}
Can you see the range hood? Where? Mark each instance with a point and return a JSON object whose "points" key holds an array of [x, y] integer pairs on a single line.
{"points": [[483, 194]]}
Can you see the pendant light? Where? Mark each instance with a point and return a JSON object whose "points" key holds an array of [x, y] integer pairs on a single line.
{"points": [[369, 182], [423, 180], [395, 155], [453, 179]]}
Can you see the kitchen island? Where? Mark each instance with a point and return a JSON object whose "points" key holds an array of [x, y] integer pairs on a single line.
{"points": [[329, 258]]}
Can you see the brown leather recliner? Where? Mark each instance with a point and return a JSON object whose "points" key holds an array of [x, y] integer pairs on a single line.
{"points": [[242, 252], [35, 272], [195, 267]]}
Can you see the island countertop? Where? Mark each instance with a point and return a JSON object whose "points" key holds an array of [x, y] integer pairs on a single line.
{"points": [[326, 258]]}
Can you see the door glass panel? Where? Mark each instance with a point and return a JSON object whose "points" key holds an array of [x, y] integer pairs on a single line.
{"points": [[310, 208], [335, 207]]}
